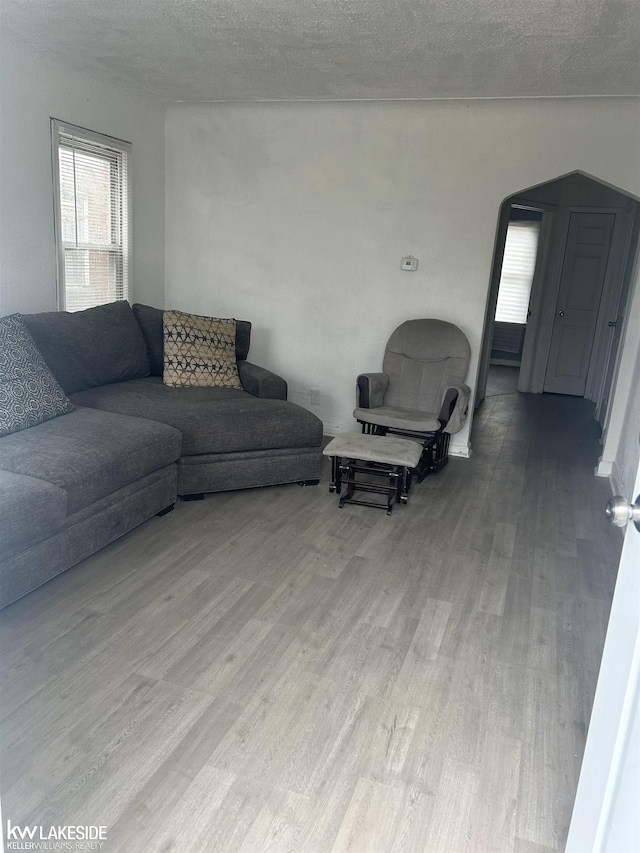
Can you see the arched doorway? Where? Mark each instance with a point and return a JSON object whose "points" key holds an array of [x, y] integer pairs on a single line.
{"points": [[572, 208]]}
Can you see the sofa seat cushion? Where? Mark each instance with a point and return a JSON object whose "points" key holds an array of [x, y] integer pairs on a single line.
{"points": [[31, 510], [90, 453], [397, 418], [211, 420]]}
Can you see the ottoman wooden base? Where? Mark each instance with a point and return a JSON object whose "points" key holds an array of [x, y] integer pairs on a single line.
{"points": [[372, 464]]}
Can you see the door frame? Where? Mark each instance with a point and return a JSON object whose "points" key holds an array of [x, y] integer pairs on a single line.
{"points": [[611, 343], [536, 299], [611, 293], [613, 705], [492, 299], [546, 229]]}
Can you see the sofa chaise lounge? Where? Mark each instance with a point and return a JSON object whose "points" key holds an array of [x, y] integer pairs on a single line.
{"points": [[131, 445]]}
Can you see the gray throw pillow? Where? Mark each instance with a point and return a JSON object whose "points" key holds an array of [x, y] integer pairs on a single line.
{"points": [[29, 394]]}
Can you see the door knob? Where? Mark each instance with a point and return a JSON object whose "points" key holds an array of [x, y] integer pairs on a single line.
{"points": [[619, 511], [560, 313]]}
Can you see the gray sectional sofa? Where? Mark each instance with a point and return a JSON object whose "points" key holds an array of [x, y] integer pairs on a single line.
{"points": [[76, 482]]}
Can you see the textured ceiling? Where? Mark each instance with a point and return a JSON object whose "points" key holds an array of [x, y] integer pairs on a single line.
{"points": [[208, 50]]}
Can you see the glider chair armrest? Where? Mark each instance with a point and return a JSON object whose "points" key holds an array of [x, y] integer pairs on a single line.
{"points": [[370, 390], [453, 412]]}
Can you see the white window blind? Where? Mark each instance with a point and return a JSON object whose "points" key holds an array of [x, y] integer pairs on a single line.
{"points": [[92, 217], [518, 266]]}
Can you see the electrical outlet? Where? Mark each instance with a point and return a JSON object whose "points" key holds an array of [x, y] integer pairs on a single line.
{"points": [[409, 264], [314, 396]]}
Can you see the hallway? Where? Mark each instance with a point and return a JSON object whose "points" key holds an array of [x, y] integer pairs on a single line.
{"points": [[262, 671]]}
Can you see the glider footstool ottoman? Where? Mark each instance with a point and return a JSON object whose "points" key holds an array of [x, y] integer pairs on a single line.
{"points": [[383, 463]]}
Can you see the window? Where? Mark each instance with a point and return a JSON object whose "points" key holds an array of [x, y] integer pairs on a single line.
{"points": [[518, 266], [91, 188]]}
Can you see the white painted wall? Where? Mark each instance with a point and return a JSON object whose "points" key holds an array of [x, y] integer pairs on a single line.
{"points": [[295, 216], [32, 90], [623, 435]]}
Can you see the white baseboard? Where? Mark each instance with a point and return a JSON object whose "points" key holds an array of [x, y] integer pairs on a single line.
{"points": [[604, 469], [617, 486], [462, 450], [611, 472]]}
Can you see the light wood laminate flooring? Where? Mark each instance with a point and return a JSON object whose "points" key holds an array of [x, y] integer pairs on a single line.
{"points": [[261, 671]]}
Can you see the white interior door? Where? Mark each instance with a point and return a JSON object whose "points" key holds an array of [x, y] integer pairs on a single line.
{"points": [[581, 285], [606, 813]]}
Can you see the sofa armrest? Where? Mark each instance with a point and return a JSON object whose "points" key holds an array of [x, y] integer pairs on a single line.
{"points": [[370, 390], [455, 403], [261, 382]]}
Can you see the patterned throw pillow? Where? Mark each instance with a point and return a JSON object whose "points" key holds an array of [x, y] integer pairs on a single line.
{"points": [[29, 394], [199, 351]]}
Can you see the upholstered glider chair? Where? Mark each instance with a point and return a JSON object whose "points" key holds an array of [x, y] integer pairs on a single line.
{"points": [[420, 393]]}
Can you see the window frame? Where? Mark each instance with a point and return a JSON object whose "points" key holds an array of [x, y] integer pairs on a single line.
{"points": [[112, 143]]}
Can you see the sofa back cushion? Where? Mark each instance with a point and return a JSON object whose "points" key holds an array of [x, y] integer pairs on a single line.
{"points": [[29, 394], [150, 322], [243, 339], [94, 347]]}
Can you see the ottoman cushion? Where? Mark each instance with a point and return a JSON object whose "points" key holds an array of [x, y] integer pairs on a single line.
{"points": [[389, 450]]}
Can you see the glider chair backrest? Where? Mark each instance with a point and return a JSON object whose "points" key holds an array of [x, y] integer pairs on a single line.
{"points": [[422, 359]]}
